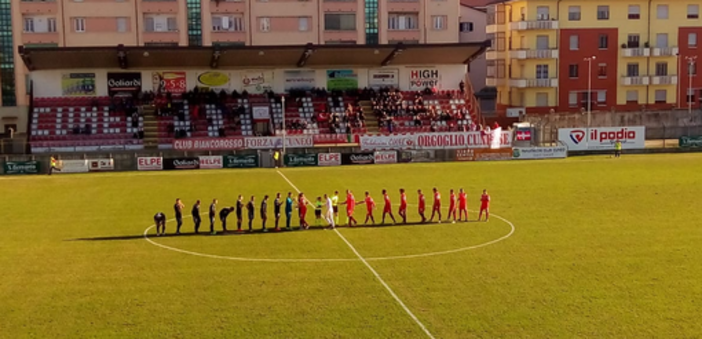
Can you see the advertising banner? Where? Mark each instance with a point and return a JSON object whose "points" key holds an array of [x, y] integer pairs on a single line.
{"points": [[357, 158], [241, 161], [214, 79], [123, 83], [533, 153], [325, 139], [22, 167], [99, 165], [523, 134], [424, 77], [257, 82], [689, 142], [602, 138], [481, 154], [78, 84], [149, 163], [382, 78], [386, 157], [329, 159], [74, 166], [341, 79], [169, 82], [211, 161], [417, 156], [299, 79], [209, 144], [261, 112], [301, 141], [298, 160], [381, 142], [445, 140], [181, 163]]}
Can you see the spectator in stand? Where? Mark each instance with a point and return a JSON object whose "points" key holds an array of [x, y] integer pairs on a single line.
{"points": [[462, 87]]}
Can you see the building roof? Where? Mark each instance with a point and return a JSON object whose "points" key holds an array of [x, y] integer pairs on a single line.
{"points": [[150, 57], [476, 3]]}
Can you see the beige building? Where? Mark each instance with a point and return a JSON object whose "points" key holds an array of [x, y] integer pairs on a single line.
{"points": [[72, 23]]}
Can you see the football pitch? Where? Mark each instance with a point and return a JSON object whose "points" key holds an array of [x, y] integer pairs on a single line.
{"points": [[582, 247]]}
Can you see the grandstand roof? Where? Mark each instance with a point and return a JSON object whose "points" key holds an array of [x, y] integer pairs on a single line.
{"points": [[149, 57]]}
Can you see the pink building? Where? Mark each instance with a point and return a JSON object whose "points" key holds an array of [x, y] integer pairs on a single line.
{"points": [[64, 23]]}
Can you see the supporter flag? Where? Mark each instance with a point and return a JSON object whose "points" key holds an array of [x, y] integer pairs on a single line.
{"points": [[496, 138]]}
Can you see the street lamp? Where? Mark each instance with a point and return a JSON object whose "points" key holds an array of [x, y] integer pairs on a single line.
{"points": [[690, 64], [589, 89]]}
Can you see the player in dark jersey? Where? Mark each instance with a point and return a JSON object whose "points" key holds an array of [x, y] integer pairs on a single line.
{"points": [[196, 216], [277, 203], [223, 214], [264, 213], [160, 220], [239, 212], [178, 207], [251, 208], [213, 215]]}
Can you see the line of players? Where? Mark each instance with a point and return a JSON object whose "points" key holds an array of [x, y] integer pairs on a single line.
{"points": [[458, 210]]}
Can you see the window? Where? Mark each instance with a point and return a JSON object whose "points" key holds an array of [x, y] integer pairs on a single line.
{"points": [[302, 24], [572, 98], [574, 13], [51, 24], [402, 21], [632, 96], [693, 11], [29, 25], [602, 12], [662, 12], [601, 97], [439, 22], [692, 40], [264, 24], [542, 13], [604, 41], [602, 70], [542, 71], [632, 70], [661, 69], [541, 42], [573, 70], [661, 40], [633, 41], [465, 27], [227, 23], [541, 99], [634, 12], [692, 68], [660, 96], [171, 24], [79, 24], [339, 22], [121, 25], [574, 42]]}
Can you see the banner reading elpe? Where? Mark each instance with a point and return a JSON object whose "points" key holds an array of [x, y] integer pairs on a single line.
{"points": [[602, 138], [329, 159], [149, 163], [386, 157], [210, 161]]}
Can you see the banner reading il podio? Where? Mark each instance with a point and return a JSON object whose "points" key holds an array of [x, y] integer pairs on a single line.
{"points": [[256, 82], [357, 158], [602, 138], [299, 160], [149, 163], [123, 83], [241, 161], [78, 84], [181, 163], [386, 157], [299, 79], [169, 82], [22, 167], [210, 161], [329, 159]]}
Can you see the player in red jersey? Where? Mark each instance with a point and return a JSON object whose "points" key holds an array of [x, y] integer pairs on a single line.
{"points": [[422, 205], [403, 206], [350, 205], [302, 207], [387, 207], [462, 205], [484, 205], [436, 206], [452, 206], [370, 206]]}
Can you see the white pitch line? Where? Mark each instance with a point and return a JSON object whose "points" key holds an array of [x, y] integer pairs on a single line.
{"points": [[375, 273]]}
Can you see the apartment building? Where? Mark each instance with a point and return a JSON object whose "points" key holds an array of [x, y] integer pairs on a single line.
{"points": [[568, 55], [71, 23]]}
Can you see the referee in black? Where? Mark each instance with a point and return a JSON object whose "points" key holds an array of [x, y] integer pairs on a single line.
{"points": [[196, 216], [277, 203], [239, 212], [213, 215]]}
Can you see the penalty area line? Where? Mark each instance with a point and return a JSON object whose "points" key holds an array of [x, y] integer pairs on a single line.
{"points": [[375, 273]]}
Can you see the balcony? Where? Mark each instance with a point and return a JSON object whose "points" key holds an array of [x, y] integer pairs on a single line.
{"points": [[162, 37], [38, 7], [534, 54], [494, 28], [635, 80], [533, 25], [636, 52], [665, 51], [664, 80], [494, 82], [492, 54], [533, 83], [40, 38]]}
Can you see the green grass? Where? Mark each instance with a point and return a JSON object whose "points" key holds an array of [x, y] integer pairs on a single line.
{"points": [[602, 248]]}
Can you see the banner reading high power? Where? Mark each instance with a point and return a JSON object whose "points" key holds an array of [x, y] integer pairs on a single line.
{"points": [[342, 79], [78, 84], [169, 82], [214, 80], [602, 138], [423, 77], [382, 78], [257, 81], [299, 79], [445, 140], [123, 83]]}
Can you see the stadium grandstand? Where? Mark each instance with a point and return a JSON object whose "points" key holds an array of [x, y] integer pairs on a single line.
{"points": [[131, 98]]}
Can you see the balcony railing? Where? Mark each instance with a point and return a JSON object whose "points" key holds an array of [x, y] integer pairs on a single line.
{"points": [[494, 82], [635, 80], [665, 51], [494, 55], [664, 80], [637, 52], [534, 54], [533, 83], [533, 25]]}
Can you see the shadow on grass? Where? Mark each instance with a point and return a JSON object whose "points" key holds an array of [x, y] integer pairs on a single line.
{"points": [[258, 231]]}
